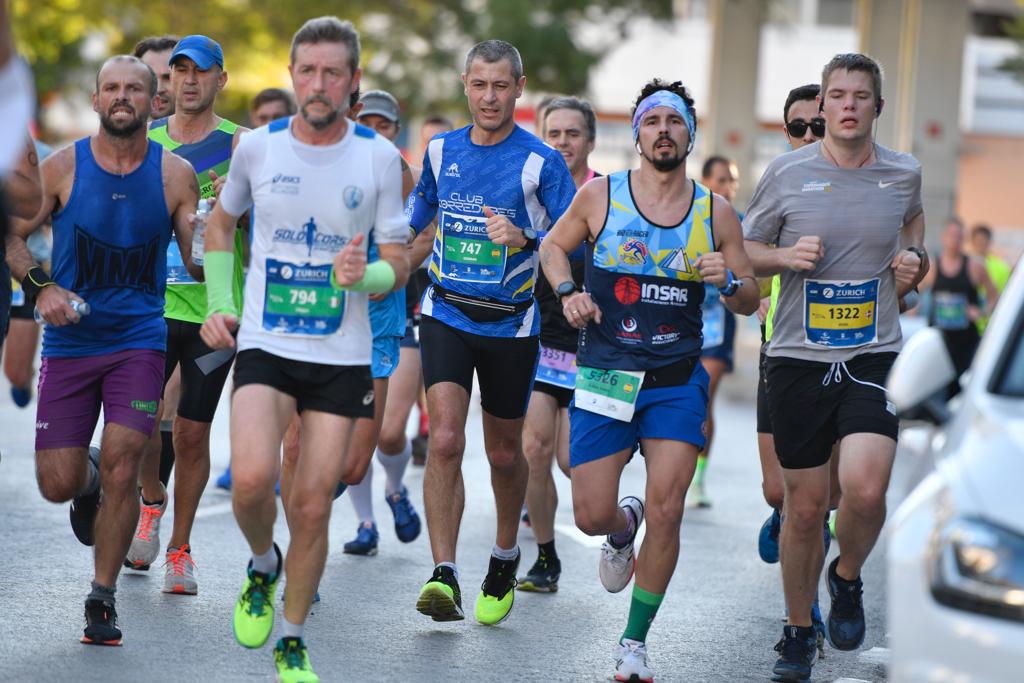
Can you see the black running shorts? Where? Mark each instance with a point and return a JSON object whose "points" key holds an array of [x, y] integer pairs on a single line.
{"points": [[764, 418], [345, 390], [814, 404], [560, 394], [505, 366], [203, 370]]}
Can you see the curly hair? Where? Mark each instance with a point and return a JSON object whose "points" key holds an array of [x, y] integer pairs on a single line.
{"points": [[657, 84]]}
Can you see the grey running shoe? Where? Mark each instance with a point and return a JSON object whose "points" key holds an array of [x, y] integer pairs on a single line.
{"points": [[180, 571], [617, 564], [145, 546]]}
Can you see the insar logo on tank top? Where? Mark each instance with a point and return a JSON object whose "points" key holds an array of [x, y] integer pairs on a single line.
{"points": [[101, 264]]}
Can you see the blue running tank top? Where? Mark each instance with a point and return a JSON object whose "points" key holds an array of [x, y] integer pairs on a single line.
{"points": [[110, 248], [642, 277]]}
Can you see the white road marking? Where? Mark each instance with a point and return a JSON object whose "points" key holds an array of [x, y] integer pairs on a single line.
{"points": [[851, 680], [876, 655]]}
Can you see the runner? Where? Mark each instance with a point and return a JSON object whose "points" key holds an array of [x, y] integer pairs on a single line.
{"points": [[305, 341], [498, 189], [721, 176], [570, 126], [378, 110], [846, 217], [194, 132], [270, 104], [803, 124], [654, 238], [19, 351], [113, 199], [956, 305], [155, 52], [998, 269]]}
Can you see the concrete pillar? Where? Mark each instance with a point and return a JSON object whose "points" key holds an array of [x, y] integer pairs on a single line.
{"points": [[731, 127], [920, 46]]}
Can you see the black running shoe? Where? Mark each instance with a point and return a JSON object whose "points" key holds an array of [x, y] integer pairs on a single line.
{"points": [[846, 626], [542, 577], [101, 623], [797, 651], [440, 598], [84, 508]]}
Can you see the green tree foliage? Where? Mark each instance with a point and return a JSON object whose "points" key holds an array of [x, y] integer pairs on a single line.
{"points": [[413, 48], [1015, 64]]}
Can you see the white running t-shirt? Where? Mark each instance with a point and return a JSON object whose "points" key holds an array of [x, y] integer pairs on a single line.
{"points": [[307, 203]]}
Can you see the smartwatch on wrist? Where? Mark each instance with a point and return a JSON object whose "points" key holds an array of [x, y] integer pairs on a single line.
{"points": [[921, 254], [565, 289], [531, 239], [732, 287]]}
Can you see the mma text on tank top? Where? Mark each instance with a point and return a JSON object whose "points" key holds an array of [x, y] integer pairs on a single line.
{"points": [[186, 298], [109, 246], [951, 298], [643, 278], [308, 202]]}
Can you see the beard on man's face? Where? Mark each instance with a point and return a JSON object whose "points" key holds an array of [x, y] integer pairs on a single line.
{"points": [[662, 163], [319, 122], [123, 128]]}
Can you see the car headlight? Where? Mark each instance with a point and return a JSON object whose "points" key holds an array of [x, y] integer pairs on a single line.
{"points": [[978, 566]]}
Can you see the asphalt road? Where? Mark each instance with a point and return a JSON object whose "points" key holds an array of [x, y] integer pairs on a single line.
{"points": [[719, 622]]}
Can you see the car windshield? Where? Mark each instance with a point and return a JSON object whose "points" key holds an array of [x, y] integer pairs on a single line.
{"points": [[1010, 382]]}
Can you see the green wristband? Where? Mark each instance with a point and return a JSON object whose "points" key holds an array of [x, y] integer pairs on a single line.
{"points": [[220, 268], [379, 277]]}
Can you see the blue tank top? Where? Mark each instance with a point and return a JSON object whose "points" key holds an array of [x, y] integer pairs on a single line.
{"points": [[387, 316], [109, 248], [642, 277]]}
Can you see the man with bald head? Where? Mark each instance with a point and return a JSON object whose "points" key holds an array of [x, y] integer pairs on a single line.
{"points": [[114, 198]]}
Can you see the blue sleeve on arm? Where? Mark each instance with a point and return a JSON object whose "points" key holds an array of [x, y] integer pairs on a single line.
{"points": [[422, 203], [557, 187]]}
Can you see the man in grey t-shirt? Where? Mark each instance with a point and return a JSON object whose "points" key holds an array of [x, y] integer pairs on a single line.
{"points": [[845, 217]]}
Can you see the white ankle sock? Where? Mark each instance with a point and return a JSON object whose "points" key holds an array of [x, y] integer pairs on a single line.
{"points": [[362, 496], [265, 563], [503, 554], [290, 630], [394, 467]]}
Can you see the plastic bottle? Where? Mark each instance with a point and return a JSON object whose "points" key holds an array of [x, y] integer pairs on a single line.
{"points": [[199, 232], [79, 307]]}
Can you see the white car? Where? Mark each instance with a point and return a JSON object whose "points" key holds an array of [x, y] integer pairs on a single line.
{"points": [[956, 544]]}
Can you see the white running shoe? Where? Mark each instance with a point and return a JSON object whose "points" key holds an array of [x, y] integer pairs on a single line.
{"points": [[617, 564], [180, 572], [145, 546], [631, 662]]}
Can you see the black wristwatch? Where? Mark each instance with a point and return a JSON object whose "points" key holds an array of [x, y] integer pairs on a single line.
{"points": [[531, 239], [566, 288], [921, 253]]}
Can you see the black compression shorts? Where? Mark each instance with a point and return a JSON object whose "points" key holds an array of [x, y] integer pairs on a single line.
{"points": [[203, 370]]}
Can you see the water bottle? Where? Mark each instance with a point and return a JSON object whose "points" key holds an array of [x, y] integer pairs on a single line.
{"points": [[199, 233], [79, 307]]}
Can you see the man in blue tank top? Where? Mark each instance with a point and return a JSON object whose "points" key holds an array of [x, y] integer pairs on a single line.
{"points": [[114, 199], [494, 189], [654, 238]]}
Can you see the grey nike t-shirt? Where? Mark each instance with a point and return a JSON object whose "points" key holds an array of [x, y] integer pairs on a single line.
{"points": [[847, 305]]}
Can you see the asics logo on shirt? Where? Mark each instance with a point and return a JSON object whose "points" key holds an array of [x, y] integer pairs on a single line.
{"points": [[452, 171], [285, 184]]}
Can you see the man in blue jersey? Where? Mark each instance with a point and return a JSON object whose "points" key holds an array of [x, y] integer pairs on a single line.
{"points": [[494, 189], [114, 199], [196, 133], [655, 238]]}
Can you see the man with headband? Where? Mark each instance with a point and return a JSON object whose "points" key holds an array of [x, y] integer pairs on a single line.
{"points": [[652, 246]]}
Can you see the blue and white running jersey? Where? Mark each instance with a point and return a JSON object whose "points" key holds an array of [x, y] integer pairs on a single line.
{"points": [[521, 178], [387, 316]]}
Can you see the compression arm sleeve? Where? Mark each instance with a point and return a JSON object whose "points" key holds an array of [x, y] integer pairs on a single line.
{"points": [[220, 268], [379, 278]]}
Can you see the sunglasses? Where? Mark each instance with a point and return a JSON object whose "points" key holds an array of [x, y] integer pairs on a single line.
{"points": [[797, 127]]}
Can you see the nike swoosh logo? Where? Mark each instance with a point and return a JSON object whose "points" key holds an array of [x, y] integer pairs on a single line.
{"points": [[882, 186]]}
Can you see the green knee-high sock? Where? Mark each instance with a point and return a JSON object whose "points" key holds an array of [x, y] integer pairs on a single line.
{"points": [[642, 609], [698, 474]]}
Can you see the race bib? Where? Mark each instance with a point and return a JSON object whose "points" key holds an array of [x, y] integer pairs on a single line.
{"points": [[300, 300], [466, 253], [950, 310], [17, 293], [714, 324], [557, 368], [611, 393], [176, 271], [840, 315]]}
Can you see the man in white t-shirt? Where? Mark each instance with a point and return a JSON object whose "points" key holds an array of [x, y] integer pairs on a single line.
{"points": [[321, 188]]}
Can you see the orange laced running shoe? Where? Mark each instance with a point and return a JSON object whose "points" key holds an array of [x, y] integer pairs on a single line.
{"points": [[145, 546], [180, 572]]}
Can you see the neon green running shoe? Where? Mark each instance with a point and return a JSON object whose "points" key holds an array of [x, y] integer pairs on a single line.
{"points": [[440, 598], [292, 661], [254, 611], [832, 522], [497, 592]]}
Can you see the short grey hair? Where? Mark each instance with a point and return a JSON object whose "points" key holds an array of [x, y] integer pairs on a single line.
{"points": [[495, 50], [576, 104], [329, 29]]}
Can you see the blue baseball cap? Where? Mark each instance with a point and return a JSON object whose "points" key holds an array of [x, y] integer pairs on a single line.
{"points": [[204, 51]]}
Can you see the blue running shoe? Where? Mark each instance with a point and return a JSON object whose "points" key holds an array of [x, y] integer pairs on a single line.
{"points": [[768, 539], [827, 536], [365, 542], [407, 522], [846, 625], [342, 486], [796, 654], [22, 396], [224, 480], [818, 624]]}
